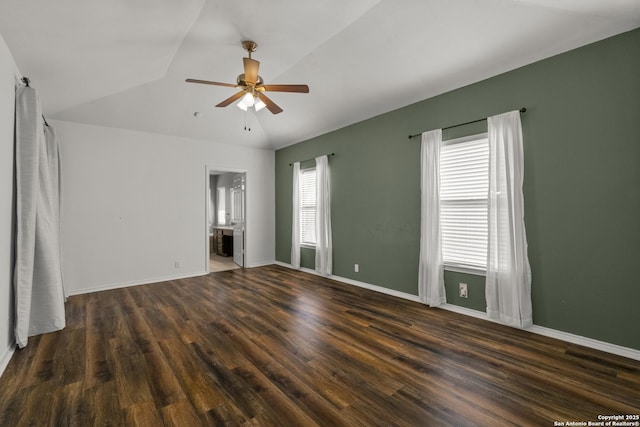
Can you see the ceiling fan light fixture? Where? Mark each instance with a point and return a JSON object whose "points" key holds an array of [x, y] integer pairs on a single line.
{"points": [[248, 100], [259, 105], [241, 105]]}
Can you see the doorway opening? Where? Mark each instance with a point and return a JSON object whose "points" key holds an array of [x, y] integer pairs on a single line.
{"points": [[226, 219]]}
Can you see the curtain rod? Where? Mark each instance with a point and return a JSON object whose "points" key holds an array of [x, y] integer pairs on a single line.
{"points": [[522, 110], [330, 154]]}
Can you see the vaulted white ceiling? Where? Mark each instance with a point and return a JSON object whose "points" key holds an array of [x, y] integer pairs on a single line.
{"points": [[122, 63]]}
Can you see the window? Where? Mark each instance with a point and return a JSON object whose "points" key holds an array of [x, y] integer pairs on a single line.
{"points": [[222, 220], [464, 187], [308, 207]]}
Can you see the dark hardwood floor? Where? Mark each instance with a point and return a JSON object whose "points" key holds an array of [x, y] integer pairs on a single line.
{"points": [[271, 346]]}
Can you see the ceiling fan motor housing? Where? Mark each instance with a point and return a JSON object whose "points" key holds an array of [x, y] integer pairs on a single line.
{"points": [[242, 82]]}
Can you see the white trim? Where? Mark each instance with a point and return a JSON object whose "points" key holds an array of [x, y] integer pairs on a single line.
{"points": [[137, 283], [260, 264], [553, 333], [465, 269], [207, 213], [208, 172], [154, 280], [6, 358], [11, 348], [369, 286], [586, 342], [540, 330]]}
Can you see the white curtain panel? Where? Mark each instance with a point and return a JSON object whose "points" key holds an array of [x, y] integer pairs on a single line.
{"points": [[431, 267], [508, 281], [295, 217], [324, 245], [39, 293]]}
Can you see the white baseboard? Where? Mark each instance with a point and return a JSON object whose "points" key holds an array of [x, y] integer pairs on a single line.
{"points": [[587, 342], [348, 281], [111, 286], [259, 264], [540, 330], [136, 283], [6, 357], [553, 333]]}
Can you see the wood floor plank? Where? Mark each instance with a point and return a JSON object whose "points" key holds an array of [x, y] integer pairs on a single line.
{"points": [[278, 409], [272, 346], [35, 406], [288, 382], [97, 364], [196, 384], [130, 372], [21, 363], [13, 405], [67, 406], [106, 405], [70, 357], [43, 364], [142, 414], [164, 385], [246, 403], [180, 414]]}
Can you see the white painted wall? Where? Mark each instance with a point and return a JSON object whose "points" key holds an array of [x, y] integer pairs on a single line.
{"points": [[134, 203], [7, 109]]}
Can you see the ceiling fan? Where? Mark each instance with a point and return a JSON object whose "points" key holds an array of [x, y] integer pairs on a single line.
{"points": [[252, 86]]}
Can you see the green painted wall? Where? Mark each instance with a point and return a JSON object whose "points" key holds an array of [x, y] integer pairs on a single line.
{"points": [[582, 188]]}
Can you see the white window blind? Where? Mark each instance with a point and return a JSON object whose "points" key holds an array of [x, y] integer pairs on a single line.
{"points": [[464, 186], [308, 206]]}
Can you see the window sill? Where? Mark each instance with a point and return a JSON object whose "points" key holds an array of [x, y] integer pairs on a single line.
{"points": [[465, 269]]}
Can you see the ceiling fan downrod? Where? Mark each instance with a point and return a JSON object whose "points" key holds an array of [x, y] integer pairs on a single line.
{"points": [[250, 46]]}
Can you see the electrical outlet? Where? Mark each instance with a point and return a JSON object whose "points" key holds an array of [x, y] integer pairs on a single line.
{"points": [[464, 291], [356, 268], [177, 264]]}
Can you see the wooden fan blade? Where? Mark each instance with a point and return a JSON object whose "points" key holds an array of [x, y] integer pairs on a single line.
{"points": [[251, 70], [207, 82], [284, 88], [269, 103], [232, 98]]}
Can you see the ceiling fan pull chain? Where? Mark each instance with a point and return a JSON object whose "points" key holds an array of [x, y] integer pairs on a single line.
{"points": [[246, 127]]}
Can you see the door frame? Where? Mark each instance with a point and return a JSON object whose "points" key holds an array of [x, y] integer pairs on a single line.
{"points": [[218, 170]]}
